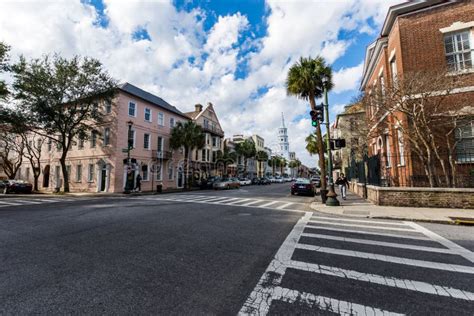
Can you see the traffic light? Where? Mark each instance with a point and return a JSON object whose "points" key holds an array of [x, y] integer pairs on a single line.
{"points": [[317, 115], [340, 142], [314, 119]]}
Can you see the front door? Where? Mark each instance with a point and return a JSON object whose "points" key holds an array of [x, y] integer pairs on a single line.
{"points": [[103, 178], [180, 178], [46, 176]]}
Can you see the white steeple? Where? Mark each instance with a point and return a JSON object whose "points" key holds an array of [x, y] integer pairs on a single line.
{"points": [[282, 121], [283, 144]]}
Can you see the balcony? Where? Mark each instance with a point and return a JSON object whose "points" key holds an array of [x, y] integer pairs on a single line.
{"points": [[212, 130], [162, 155]]}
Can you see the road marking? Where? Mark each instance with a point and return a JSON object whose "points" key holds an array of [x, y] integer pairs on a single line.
{"points": [[259, 301], [227, 200], [368, 233], [268, 204], [27, 202], [445, 242], [8, 203], [357, 220], [365, 226], [216, 199], [238, 201], [253, 202], [392, 259], [405, 284], [378, 243], [323, 303], [284, 205]]}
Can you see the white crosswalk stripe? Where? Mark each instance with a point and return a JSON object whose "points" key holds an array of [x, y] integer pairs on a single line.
{"points": [[15, 202], [393, 236]]}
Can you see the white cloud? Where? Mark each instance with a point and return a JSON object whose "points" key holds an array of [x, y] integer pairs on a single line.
{"points": [[160, 65]]}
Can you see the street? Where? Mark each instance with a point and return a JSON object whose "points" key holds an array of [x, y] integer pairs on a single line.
{"points": [[255, 250]]}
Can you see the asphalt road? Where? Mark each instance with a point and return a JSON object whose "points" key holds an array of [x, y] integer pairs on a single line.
{"points": [[256, 250]]}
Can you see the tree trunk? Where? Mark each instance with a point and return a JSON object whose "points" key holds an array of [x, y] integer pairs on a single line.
{"points": [[62, 160], [186, 167], [245, 166]]}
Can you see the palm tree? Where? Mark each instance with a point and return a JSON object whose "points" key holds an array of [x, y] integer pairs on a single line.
{"points": [[304, 81], [190, 136], [261, 157], [283, 164], [274, 162], [295, 164], [247, 150]]}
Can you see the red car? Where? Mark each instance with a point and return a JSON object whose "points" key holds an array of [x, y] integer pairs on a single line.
{"points": [[15, 186], [302, 186]]}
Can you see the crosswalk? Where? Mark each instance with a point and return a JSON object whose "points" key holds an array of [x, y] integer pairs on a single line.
{"points": [[226, 200], [14, 202], [348, 266]]}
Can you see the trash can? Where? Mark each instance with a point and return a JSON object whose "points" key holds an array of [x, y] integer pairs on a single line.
{"points": [[159, 188], [323, 195]]}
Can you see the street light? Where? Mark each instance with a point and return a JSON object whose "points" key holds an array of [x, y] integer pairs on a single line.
{"points": [[331, 196], [129, 178]]}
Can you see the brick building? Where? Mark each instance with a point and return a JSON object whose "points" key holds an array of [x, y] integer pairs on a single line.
{"points": [[421, 37]]}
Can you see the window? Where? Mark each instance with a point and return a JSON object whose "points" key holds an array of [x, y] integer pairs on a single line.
{"points": [[203, 155], [393, 69], [93, 139], [170, 171], [458, 51], [78, 173], [27, 173], [146, 141], [207, 138], [108, 106], [147, 114], [50, 144], [382, 85], [131, 138], [208, 156], [90, 173], [171, 122], [80, 144], [58, 143], [401, 148], [214, 141], [206, 123], [68, 171], [158, 172], [132, 109], [161, 119], [465, 143], [145, 172], [39, 144], [106, 140], [159, 146], [197, 155], [214, 156], [388, 153]]}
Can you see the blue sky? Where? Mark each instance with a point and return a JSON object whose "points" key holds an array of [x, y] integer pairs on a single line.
{"points": [[233, 53]]}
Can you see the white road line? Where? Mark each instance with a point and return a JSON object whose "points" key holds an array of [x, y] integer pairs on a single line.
{"points": [[253, 202], [326, 303], [8, 203], [365, 226], [445, 242], [357, 220], [238, 201], [209, 199], [399, 260], [379, 243], [227, 200], [368, 233], [268, 204], [27, 202], [284, 205], [405, 284], [217, 199], [197, 198], [259, 301]]}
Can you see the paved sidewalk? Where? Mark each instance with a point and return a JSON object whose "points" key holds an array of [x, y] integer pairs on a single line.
{"points": [[357, 206]]}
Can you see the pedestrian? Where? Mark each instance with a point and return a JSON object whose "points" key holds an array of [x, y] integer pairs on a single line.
{"points": [[343, 184], [138, 183]]}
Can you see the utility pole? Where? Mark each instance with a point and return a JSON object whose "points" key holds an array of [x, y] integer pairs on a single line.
{"points": [[331, 196]]}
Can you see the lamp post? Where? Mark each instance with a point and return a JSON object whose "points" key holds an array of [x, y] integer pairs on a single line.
{"points": [[129, 178], [331, 195]]}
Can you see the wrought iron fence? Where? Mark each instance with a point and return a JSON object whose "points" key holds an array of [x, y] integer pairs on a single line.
{"points": [[442, 170]]}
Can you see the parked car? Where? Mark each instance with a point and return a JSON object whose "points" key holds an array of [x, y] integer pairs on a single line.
{"points": [[245, 181], [279, 180], [316, 180], [208, 183], [302, 186], [255, 180], [227, 183], [287, 179], [264, 181], [15, 186]]}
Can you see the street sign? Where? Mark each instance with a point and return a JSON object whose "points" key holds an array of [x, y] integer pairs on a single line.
{"points": [[124, 150]]}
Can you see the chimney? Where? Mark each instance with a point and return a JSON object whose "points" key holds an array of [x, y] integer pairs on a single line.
{"points": [[198, 107]]}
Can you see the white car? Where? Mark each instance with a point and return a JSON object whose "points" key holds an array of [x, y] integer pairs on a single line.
{"points": [[279, 180], [245, 181]]}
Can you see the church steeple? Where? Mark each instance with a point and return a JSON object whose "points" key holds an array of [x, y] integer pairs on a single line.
{"points": [[282, 121], [283, 139]]}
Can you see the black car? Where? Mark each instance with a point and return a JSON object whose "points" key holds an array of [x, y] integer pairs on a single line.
{"points": [[208, 183], [255, 180], [15, 186], [302, 186], [264, 181]]}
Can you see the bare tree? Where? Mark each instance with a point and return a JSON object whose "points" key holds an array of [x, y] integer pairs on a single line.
{"points": [[32, 144], [11, 153], [425, 108]]}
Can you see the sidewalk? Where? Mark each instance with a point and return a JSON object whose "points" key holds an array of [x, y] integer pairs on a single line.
{"points": [[358, 207]]}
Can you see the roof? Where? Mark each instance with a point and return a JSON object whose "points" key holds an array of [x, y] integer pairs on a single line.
{"points": [[142, 94], [193, 114]]}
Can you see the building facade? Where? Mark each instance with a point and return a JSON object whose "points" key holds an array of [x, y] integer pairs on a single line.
{"points": [[98, 163], [418, 37]]}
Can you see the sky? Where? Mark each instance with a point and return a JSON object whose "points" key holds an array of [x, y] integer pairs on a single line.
{"points": [[233, 53]]}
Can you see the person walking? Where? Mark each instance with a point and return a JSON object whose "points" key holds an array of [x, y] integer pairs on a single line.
{"points": [[343, 184], [138, 184]]}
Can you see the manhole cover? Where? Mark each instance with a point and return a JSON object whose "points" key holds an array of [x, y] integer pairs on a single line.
{"points": [[356, 212]]}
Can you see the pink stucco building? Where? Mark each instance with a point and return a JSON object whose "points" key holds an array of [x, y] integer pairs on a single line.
{"points": [[98, 163]]}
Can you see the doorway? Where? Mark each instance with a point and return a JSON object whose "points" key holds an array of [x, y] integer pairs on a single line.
{"points": [[46, 176], [180, 178]]}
